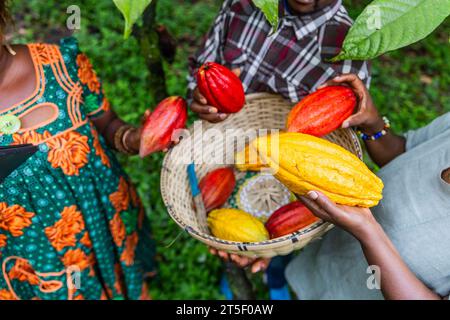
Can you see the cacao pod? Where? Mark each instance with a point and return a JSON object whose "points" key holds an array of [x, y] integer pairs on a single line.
{"points": [[236, 225], [289, 218], [322, 112], [304, 163], [168, 116], [246, 162], [221, 87], [216, 187]]}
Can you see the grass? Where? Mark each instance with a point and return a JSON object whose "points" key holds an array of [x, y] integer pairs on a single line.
{"points": [[410, 86]]}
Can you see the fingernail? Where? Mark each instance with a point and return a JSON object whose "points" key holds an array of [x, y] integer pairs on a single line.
{"points": [[203, 100], [257, 269], [313, 195], [222, 116], [212, 110], [345, 125], [338, 78]]}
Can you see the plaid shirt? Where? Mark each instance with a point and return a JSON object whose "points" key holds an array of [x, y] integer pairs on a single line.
{"points": [[292, 61]]}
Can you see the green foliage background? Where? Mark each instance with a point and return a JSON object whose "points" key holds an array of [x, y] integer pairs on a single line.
{"points": [[411, 86]]}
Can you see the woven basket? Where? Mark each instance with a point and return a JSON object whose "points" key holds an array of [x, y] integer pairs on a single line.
{"points": [[262, 111]]}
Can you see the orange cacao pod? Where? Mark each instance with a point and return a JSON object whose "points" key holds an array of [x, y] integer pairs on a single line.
{"points": [[322, 112]]}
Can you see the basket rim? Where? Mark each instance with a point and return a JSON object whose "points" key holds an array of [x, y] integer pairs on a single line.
{"points": [[276, 242]]}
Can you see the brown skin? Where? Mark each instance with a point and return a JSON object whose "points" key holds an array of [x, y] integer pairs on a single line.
{"points": [[397, 280], [16, 84], [308, 6], [367, 118], [209, 113]]}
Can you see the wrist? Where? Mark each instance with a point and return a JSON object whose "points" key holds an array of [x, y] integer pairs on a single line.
{"points": [[373, 126], [132, 140], [369, 231]]}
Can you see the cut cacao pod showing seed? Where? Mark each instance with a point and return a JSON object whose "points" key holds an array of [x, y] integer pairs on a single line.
{"points": [[289, 218], [221, 87], [168, 116], [216, 187], [322, 112]]}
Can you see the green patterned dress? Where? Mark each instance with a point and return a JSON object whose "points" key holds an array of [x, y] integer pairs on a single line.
{"points": [[71, 223]]}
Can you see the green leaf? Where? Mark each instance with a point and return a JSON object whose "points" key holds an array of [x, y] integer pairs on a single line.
{"points": [[131, 11], [387, 25], [270, 10]]}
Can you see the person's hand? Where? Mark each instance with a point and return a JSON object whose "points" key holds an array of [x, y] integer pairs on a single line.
{"points": [[366, 117], [206, 112], [256, 265], [133, 139], [357, 221]]}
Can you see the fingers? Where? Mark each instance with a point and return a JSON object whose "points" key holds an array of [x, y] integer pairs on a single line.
{"points": [[315, 208], [202, 108], [354, 120], [260, 265], [147, 114], [241, 261], [324, 203], [199, 97], [236, 71], [213, 118]]}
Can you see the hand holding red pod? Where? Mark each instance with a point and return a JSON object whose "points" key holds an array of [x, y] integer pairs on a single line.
{"points": [[159, 127]]}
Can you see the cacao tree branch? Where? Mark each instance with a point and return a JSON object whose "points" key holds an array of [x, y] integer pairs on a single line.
{"points": [[240, 285], [148, 41]]}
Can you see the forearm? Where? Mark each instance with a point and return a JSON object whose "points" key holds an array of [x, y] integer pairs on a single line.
{"points": [[109, 124], [397, 280]]}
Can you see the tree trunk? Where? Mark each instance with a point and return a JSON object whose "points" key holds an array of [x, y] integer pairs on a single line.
{"points": [[148, 41], [240, 285]]}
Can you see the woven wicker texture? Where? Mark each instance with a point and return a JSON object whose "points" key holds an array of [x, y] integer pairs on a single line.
{"points": [[208, 151]]}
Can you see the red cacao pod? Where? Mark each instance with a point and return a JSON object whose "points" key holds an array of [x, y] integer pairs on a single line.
{"points": [[289, 218], [221, 87], [323, 111], [168, 116], [216, 187]]}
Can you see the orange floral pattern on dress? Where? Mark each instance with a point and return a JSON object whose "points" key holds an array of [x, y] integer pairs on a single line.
{"points": [[63, 233], [6, 295], [117, 229], [86, 73], [119, 283], [69, 152], [14, 218], [130, 246], [23, 271], [30, 137], [99, 149], [2, 240], [145, 294], [86, 240], [134, 196], [106, 106], [45, 55], [121, 198], [77, 257]]}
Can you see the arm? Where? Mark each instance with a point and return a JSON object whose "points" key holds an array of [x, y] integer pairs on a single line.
{"points": [[367, 118], [397, 280], [109, 123]]}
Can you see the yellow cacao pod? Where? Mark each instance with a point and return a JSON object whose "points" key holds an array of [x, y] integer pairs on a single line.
{"points": [[304, 163], [244, 161], [236, 225]]}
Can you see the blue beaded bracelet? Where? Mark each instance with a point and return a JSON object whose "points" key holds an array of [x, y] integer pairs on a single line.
{"points": [[377, 135]]}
